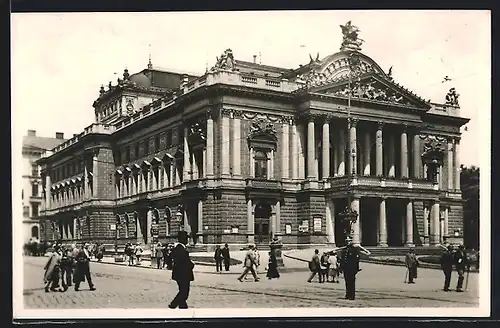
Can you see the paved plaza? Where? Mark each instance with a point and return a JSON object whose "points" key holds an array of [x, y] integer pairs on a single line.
{"points": [[121, 286]]}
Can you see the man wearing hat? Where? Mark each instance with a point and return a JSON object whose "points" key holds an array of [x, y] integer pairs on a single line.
{"points": [[250, 262], [461, 264], [412, 264], [182, 271], [82, 270], [350, 266], [447, 266]]}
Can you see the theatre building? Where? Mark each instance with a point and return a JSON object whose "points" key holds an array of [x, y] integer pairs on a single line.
{"points": [[247, 152]]}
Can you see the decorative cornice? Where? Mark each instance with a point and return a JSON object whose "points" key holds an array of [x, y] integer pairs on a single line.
{"points": [[226, 112], [237, 113]]}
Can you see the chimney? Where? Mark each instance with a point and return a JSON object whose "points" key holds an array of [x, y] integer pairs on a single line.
{"points": [[31, 133], [255, 59], [59, 135]]}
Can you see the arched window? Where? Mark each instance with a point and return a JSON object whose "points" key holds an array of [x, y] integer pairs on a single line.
{"points": [[260, 164], [34, 232]]}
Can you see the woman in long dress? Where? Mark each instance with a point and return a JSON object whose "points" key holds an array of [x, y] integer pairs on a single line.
{"points": [[272, 268], [52, 270]]}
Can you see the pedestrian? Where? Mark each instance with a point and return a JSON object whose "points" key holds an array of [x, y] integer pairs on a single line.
{"points": [[411, 262], [52, 270], [226, 257], [168, 257], [272, 267], [249, 264], [218, 259], [82, 271], [138, 253], [333, 267], [461, 264], [182, 271], [66, 268], [315, 267], [350, 265], [159, 255], [447, 267], [257, 260], [100, 248], [324, 266]]}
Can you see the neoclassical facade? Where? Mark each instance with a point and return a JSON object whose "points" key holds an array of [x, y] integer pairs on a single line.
{"points": [[247, 151]]}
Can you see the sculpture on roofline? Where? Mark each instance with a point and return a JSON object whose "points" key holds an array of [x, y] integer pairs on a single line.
{"points": [[226, 61], [452, 97], [350, 40]]}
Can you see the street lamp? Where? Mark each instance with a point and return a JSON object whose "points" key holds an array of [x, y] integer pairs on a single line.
{"points": [[180, 215]]}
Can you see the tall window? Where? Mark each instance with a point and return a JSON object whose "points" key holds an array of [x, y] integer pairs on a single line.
{"points": [[157, 143], [146, 147], [34, 190], [168, 138], [34, 170], [127, 154], [137, 151], [260, 162], [34, 210], [26, 211]]}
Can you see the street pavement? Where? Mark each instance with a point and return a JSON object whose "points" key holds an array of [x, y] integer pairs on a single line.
{"points": [[121, 286]]}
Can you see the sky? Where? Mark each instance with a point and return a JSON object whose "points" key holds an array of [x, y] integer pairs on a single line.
{"points": [[59, 61]]}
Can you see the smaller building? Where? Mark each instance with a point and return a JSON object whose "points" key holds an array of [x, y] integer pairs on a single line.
{"points": [[33, 148]]}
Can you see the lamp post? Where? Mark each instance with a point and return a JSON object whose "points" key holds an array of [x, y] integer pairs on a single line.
{"points": [[354, 65], [179, 214], [348, 217]]}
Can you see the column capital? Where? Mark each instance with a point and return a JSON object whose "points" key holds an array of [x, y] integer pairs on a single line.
{"points": [[237, 114], [405, 128], [456, 140], [226, 112], [352, 121], [380, 125]]}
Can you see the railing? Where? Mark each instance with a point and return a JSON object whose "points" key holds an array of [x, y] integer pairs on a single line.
{"points": [[442, 109], [383, 182]]}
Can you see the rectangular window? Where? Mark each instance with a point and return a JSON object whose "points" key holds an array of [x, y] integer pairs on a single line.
{"points": [[146, 147], [26, 211], [34, 190], [34, 210], [157, 143], [34, 170], [127, 154], [137, 155], [169, 138]]}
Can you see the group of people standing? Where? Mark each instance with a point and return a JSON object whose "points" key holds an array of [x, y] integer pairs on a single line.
{"points": [[67, 265], [221, 256], [460, 260]]}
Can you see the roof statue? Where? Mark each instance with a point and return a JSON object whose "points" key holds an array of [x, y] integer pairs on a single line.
{"points": [[314, 60], [350, 40], [389, 74], [452, 97], [226, 61]]}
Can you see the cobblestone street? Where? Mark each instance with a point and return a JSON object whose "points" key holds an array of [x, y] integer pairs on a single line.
{"points": [[131, 287]]}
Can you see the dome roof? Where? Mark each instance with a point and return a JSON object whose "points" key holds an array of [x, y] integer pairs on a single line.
{"points": [[140, 79]]}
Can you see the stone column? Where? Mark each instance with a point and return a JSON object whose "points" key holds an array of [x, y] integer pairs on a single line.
{"points": [[456, 160], [379, 167], [149, 222], [417, 160], [434, 237], [138, 228], [326, 150], [449, 157], [367, 155], [251, 162], [278, 217], [446, 232], [382, 223], [48, 191], [271, 165], [353, 167], [409, 223], [123, 192], [143, 181], [95, 174], [356, 240], [187, 227], [186, 170], [285, 150], [404, 154], [86, 187], [150, 182], [330, 221], [194, 167], [295, 152], [236, 146], [426, 225], [250, 222], [210, 147], [117, 185], [341, 153], [225, 144], [311, 151], [302, 149], [390, 148], [199, 233], [173, 170]]}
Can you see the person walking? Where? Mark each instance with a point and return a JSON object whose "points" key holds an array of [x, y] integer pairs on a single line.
{"points": [[411, 262], [138, 253], [82, 271], [272, 267], [52, 270], [350, 266], [218, 259], [182, 271], [332, 267], [226, 257], [66, 268], [249, 264], [257, 260], [447, 267], [315, 266], [461, 264], [159, 255]]}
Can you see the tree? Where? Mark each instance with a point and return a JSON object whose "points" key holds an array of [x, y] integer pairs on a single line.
{"points": [[469, 185]]}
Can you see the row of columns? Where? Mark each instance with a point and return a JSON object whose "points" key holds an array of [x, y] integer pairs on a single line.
{"points": [[230, 161]]}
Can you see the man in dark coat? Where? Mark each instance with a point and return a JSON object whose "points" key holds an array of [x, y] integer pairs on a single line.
{"points": [[218, 258], [82, 270], [447, 267], [182, 271], [350, 265], [461, 264], [226, 257], [411, 262]]}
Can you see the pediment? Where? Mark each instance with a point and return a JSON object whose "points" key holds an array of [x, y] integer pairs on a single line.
{"points": [[372, 87]]}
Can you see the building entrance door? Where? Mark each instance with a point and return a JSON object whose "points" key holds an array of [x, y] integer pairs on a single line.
{"points": [[263, 213]]}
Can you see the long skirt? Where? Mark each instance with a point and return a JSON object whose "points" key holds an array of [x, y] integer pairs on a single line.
{"points": [[272, 272]]}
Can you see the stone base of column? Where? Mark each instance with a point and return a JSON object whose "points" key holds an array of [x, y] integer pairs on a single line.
{"points": [[382, 245], [409, 245]]}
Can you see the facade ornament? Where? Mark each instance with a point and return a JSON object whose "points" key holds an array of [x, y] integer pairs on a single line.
{"points": [[262, 126], [226, 112], [433, 155], [197, 133], [389, 74], [209, 113], [452, 97], [237, 113], [130, 106], [226, 61], [350, 38], [101, 90], [126, 75], [312, 61]]}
